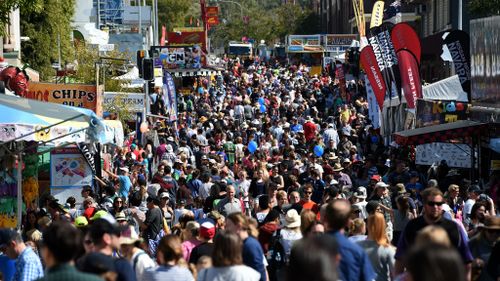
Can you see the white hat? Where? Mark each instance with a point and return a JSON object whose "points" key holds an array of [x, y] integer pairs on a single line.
{"points": [[361, 193], [129, 236], [381, 184], [164, 194], [125, 169], [170, 138], [292, 219]]}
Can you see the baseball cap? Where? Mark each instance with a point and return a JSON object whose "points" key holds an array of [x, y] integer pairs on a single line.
{"points": [[96, 263], [207, 230], [103, 226], [7, 235], [381, 184], [376, 178], [413, 174], [99, 215], [164, 194], [81, 221], [125, 169]]}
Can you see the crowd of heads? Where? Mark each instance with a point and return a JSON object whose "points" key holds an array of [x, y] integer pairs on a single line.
{"points": [[277, 155]]}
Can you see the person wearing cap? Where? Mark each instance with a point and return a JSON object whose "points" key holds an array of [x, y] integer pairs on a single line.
{"points": [[473, 195], [432, 215], [206, 235], [359, 197], [28, 264], [140, 260], [124, 180], [331, 137], [61, 243], [104, 233], [382, 196]]}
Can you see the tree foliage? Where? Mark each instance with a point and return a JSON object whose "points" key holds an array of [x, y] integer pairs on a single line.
{"points": [[269, 21], [6, 6], [483, 8], [47, 28]]}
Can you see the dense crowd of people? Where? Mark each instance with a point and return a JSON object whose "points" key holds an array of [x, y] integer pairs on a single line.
{"points": [[269, 173]]}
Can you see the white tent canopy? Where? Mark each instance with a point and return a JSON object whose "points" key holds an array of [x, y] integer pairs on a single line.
{"points": [[446, 89]]}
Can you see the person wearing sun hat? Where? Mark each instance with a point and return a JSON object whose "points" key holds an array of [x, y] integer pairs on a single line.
{"points": [[343, 179], [140, 260], [291, 232]]}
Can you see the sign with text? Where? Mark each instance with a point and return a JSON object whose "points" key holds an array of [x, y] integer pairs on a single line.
{"points": [[456, 155], [431, 113], [174, 57], [304, 44], [134, 101], [79, 95], [212, 15]]}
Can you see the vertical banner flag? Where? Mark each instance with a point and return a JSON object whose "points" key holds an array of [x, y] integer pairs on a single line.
{"points": [[373, 108], [458, 44], [385, 54], [372, 69], [340, 76], [170, 96], [163, 35], [410, 77], [377, 14], [404, 37]]}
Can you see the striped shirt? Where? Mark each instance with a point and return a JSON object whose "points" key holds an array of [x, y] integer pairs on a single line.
{"points": [[162, 273]]}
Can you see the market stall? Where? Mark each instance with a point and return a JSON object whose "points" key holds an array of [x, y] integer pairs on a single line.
{"points": [[24, 126]]}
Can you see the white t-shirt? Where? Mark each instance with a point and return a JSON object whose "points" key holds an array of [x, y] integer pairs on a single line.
{"points": [[233, 273], [468, 206]]}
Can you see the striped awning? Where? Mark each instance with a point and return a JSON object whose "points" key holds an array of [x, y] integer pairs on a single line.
{"points": [[194, 72]]}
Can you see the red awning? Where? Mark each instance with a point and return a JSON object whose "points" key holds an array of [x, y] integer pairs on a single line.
{"points": [[441, 133]]}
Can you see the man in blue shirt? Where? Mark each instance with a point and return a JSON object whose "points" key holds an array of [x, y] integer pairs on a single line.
{"points": [[28, 264], [354, 262], [125, 182]]}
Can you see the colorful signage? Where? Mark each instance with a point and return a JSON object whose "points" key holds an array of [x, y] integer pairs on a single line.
{"points": [[69, 169], [170, 57], [79, 95], [431, 113], [304, 44]]}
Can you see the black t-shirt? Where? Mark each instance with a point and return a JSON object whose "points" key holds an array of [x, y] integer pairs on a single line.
{"points": [[204, 249], [415, 225], [154, 222]]}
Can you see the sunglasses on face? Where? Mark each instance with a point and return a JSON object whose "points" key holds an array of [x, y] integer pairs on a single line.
{"points": [[308, 192], [432, 203]]}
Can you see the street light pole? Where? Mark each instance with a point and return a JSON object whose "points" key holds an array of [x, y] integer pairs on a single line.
{"points": [[228, 1]]}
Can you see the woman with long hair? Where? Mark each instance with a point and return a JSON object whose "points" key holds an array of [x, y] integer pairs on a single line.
{"points": [[253, 255], [169, 257], [477, 216], [401, 217], [227, 261], [379, 249]]}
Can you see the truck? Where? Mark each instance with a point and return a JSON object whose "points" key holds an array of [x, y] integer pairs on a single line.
{"points": [[240, 49]]}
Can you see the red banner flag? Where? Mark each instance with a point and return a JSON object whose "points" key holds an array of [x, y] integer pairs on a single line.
{"points": [[163, 35], [410, 77], [370, 65], [404, 37]]}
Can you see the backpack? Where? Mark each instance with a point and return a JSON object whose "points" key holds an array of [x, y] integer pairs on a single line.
{"points": [[276, 258]]}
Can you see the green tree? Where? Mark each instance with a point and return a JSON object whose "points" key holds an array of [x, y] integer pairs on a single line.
{"points": [[49, 30], [171, 13], [483, 8], [6, 6]]}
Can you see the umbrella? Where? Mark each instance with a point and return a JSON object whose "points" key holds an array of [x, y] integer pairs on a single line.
{"points": [[31, 120]]}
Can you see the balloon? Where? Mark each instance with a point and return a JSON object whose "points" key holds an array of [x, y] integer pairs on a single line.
{"points": [[374, 139], [262, 101], [318, 150], [252, 146], [263, 108], [200, 90], [144, 127]]}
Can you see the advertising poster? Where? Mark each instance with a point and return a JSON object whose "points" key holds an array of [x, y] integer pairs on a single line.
{"points": [[134, 101], [431, 113], [187, 57], [69, 169], [338, 43], [304, 44], [170, 96], [485, 66], [78, 95]]}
